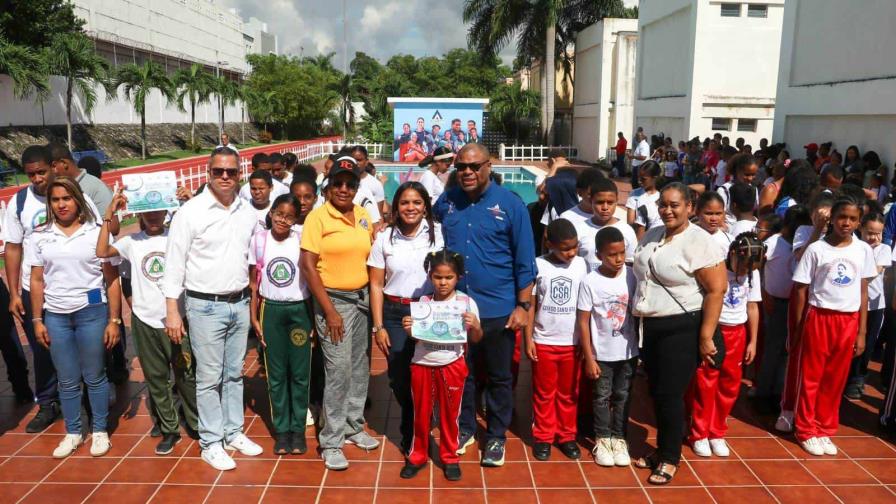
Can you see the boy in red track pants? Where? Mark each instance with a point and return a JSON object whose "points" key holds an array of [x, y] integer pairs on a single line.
{"points": [[833, 274], [714, 391]]}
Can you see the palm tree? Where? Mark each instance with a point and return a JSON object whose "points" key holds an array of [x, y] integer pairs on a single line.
{"points": [[511, 105], [139, 82], [26, 67], [543, 29], [72, 57], [347, 111], [229, 92], [195, 85]]}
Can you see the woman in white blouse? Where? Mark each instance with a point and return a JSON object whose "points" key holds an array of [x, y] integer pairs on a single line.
{"points": [[681, 280], [397, 278]]}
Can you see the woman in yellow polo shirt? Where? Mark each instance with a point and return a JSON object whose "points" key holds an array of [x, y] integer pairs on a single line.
{"points": [[336, 241]]}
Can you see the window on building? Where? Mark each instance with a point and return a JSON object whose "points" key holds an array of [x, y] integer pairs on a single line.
{"points": [[730, 10], [721, 124], [746, 125], [757, 10]]}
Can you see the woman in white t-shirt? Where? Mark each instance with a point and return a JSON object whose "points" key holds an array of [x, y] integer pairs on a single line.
{"points": [[397, 279], [714, 390], [159, 357], [681, 282], [436, 165], [281, 317], [70, 287], [641, 203]]}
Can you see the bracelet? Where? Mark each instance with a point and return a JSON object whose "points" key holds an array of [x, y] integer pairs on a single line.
{"points": [[107, 220], [37, 319]]}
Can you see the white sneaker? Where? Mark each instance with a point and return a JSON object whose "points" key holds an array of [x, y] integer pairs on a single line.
{"points": [[244, 445], [719, 447], [701, 448], [784, 422], [603, 452], [813, 446], [68, 445], [100, 444], [216, 457], [620, 453], [827, 445]]}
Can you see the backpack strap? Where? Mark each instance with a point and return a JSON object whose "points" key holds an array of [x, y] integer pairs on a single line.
{"points": [[21, 196], [261, 242]]}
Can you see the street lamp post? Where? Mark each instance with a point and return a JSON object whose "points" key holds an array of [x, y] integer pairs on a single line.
{"points": [[218, 65]]}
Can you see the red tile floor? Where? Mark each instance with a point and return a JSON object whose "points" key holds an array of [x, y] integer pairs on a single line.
{"points": [[763, 467]]}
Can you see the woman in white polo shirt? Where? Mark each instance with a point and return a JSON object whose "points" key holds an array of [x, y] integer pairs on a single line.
{"points": [[397, 278], [70, 287]]}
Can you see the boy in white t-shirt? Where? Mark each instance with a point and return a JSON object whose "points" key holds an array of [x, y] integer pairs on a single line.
{"points": [[604, 198], [551, 340], [159, 356], [833, 275], [872, 234], [714, 391], [742, 205], [609, 345]]}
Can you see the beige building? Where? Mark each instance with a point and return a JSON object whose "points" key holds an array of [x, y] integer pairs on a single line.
{"points": [[532, 77]]}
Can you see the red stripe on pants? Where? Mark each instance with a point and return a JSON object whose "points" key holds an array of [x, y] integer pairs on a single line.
{"points": [[555, 380], [792, 373], [714, 391], [827, 351], [445, 385]]}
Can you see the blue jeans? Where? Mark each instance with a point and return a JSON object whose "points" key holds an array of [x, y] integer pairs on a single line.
{"points": [[45, 385], [76, 346], [218, 332]]}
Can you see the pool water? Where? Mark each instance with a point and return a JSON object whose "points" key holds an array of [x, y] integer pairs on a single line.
{"points": [[515, 178]]}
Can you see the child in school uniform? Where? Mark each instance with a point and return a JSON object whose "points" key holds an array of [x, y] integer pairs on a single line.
{"points": [[604, 198], [438, 371], [711, 217], [609, 345], [281, 316], [872, 234], [551, 340], [743, 204], [833, 275], [714, 391], [159, 356]]}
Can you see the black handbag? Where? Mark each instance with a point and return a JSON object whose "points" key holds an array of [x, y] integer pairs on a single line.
{"points": [[717, 338]]}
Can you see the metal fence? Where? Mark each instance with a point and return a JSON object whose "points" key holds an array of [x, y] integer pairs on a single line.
{"points": [[533, 152]]}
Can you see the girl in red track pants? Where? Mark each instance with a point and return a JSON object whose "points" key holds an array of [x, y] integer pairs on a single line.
{"points": [[442, 385], [833, 275], [714, 391]]}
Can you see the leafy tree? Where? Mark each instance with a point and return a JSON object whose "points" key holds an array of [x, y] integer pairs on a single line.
{"points": [[511, 107], [34, 23], [229, 93], [26, 67], [71, 56], [262, 105], [543, 30], [138, 83], [195, 85]]}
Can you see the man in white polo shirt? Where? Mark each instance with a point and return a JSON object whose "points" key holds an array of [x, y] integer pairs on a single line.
{"points": [[638, 156], [207, 257]]}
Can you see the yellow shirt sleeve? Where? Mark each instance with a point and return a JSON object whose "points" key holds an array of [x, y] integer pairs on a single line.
{"points": [[312, 232]]}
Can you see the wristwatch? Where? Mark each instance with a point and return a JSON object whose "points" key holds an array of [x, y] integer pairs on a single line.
{"points": [[376, 329], [526, 305], [115, 321]]}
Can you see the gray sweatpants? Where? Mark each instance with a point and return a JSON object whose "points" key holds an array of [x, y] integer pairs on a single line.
{"points": [[346, 367]]}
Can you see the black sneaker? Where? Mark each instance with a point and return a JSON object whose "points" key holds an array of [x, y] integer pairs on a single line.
{"points": [[282, 444], [410, 470], [166, 445], [452, 472], [298, 445], [46, 415], [541, 451], [853, 392], [493, 456], [570, 449], [464, 441], [156, 431]]}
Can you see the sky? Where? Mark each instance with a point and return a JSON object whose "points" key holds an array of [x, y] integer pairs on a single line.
{"points": [[380, 28]]}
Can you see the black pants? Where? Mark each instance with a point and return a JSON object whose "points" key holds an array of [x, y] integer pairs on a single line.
{"points": [[495, 350], [612, 396], [401, 352], [858, 370], [671, 354], [11, 348]]}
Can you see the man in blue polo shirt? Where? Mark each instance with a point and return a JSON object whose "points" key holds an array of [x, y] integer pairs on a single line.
{"points": [[489, 226]]}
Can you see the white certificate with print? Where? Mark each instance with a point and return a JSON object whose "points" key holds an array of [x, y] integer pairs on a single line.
{"points": [[147, 192], [439, 321]]}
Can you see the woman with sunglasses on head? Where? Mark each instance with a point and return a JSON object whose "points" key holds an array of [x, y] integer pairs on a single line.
{"points": [[397, 279], [336, 242], [76, 301]]}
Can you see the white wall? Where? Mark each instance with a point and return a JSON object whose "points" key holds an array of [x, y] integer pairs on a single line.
{"points": [[838, 88], [15, 112]]}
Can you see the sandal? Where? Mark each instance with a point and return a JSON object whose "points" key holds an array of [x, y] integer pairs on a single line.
{"points": [[648, 461], [660, 476]]}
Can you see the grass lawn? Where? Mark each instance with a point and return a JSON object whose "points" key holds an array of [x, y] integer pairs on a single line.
{"points": [[172, 155]]}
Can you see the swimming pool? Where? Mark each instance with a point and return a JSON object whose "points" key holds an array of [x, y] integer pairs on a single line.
{"points": [[519, 179]]}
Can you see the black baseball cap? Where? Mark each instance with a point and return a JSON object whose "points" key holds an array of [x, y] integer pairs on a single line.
{"points": [[344, 164]]}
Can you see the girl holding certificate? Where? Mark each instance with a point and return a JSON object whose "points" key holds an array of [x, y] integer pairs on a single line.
{"points": [[438, 371]]}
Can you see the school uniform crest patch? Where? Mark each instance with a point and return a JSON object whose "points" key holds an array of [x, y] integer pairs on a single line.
{"points": [[153, 266], [281, 272], [561, 290], [298, 336], [363, 223]]}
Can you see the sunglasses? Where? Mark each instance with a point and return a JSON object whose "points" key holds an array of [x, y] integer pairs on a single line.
{"points": [[231, 172], [473, 166], [350, 184]]}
